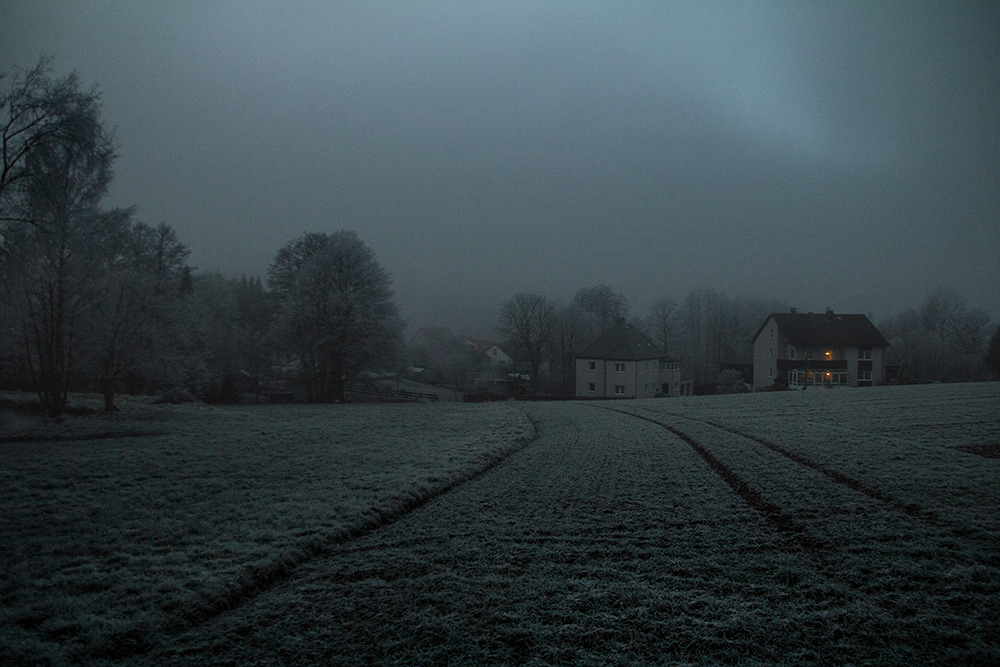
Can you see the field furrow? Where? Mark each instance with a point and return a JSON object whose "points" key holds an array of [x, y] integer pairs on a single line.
{"points": [[614, 540], [105, 546], [845, 527]]}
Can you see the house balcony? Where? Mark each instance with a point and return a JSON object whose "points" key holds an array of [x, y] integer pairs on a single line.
{"points": [[814, 373]]}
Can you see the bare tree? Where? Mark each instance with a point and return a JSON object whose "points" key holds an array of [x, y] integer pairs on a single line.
{"points": [[36, 113], [662, 323], [992, 356], [603, 303], [530, 320], [140, 288], [335, 304], [940, 312], [51, 279], [572, 330]]}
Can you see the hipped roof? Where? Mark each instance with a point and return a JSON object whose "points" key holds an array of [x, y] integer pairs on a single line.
{"points": [[833, 329], [621, 343]]}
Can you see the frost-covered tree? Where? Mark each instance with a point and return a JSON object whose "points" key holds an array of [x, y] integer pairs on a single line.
{"points": [[603, 303], [53, 235], [992, 356], [529, 320], [662, 324], [256, 331], [138, 300], [942, 340], [336, 310], [38, 113]]}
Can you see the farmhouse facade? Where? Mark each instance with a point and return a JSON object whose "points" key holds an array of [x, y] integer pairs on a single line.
{"points": [[623, 363], [828, 349]]}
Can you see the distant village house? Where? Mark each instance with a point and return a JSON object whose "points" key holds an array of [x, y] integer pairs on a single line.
{"points": [[624, 363], [801, 350]]}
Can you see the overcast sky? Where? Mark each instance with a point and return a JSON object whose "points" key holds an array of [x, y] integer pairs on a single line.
{"points": [[842, 154]]}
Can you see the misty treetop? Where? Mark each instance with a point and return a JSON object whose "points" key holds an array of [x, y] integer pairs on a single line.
{"points": [[335, 310]]}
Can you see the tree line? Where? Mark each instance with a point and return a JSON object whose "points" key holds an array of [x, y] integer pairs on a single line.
{"points": [[941, 340], [94, 299], [705, 330]]}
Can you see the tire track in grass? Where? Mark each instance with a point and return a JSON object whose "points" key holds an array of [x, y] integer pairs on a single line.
{"points": [[264, 578], [773, 514], [911, 509]]}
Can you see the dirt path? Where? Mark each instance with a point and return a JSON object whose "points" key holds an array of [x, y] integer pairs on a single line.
{"points": [[610, 539]]}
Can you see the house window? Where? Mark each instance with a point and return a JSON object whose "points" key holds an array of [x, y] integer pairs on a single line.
{"points": [[772, 332], [865, 354], [592, 387], [864, 378], [770, 372], [809, 354], [619, 390], [791, 352], [770, 353], [593, 365], [619, 367]]}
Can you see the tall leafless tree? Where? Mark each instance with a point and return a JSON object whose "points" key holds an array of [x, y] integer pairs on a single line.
{"points": [[53, 234], [530, 320], [37, 113]]}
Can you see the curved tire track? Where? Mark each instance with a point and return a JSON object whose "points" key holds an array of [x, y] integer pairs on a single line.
{"points": [[773, 514], [263, 578]]}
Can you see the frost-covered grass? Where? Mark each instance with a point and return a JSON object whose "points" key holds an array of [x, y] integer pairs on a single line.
{"points": [[109, 537], [823, 527]]}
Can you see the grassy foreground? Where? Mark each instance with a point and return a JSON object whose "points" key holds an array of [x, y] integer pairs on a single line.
{"points": [[826, 527], [114, 532]]}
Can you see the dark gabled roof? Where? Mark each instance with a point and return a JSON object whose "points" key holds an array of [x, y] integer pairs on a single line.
{"points": [[829, 328], [622, 343]]}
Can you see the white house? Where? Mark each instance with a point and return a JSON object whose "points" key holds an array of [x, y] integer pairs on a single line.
{"points": [[624, 363], [818, 350]]}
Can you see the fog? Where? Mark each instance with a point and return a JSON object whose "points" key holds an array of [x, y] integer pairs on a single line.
{"points": [[839, 154]]}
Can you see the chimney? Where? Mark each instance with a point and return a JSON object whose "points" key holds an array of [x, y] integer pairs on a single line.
{"points": [[829, 312], [793, 311]]}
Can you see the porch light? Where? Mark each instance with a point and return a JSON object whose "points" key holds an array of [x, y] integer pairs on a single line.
{"points": [[829, 354]]}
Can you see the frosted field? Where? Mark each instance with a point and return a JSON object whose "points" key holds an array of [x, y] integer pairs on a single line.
{"points": [[831, 526]]}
